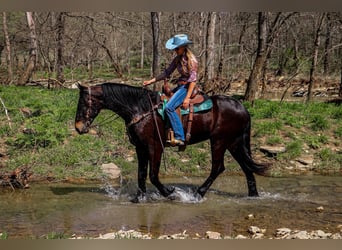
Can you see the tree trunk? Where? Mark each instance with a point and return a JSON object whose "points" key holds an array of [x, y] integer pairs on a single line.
{"points": [[156, 54], [142, 45], [327, 46], [314, 56], [221, 49], [60, 35], [340, 91], [32, 61], [210, 50], [254, 77], [203, 46], [8, 49]]}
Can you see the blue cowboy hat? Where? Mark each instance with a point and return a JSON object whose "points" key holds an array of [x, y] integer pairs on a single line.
{"points": [[177, 41]]}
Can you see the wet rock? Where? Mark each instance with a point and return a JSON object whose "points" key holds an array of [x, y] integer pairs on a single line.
{"points": [[212, 235], [112, 170]]}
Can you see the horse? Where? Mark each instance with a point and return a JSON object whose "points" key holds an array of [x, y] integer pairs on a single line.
{"points": [[227, 125]]}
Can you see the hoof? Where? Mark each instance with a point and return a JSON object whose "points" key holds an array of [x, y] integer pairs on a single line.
{"points": [[139, 198], [135, 200], [253, 194], [168, 192]]}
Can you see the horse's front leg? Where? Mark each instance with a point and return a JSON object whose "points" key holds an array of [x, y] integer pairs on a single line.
{"points": [[142, 154], [155, 154]]}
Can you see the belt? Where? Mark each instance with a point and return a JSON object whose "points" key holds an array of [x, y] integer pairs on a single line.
{"points": [[182, 82]]}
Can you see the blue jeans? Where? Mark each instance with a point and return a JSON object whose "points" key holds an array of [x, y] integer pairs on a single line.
{"points": [[175, 101]]}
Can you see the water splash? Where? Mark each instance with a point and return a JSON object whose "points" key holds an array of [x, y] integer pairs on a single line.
{"points": [[111, 191], [186, 196]]}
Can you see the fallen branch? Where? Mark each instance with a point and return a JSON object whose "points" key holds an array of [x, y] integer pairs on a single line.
{"points": [[17, 179], [6, 112]]}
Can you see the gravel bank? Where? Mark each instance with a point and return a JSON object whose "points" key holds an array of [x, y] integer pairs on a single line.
{"points": [[253, 232]]}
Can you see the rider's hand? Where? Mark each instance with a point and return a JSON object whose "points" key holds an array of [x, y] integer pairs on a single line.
{"points": [[145, 83], [186, 103]]}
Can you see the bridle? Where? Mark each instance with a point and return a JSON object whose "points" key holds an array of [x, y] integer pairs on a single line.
{"points": [[90, 102]]}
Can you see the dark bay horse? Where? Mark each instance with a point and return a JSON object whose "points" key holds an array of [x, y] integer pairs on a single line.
{"points": [[227, 125]]}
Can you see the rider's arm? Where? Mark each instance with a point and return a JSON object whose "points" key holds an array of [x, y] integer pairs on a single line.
{"points": [[166, 73]]}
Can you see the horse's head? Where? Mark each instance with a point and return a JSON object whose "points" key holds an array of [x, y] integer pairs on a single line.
{"points": [[89, 106]]}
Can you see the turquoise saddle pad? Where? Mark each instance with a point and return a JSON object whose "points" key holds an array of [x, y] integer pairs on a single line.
{"points": [[206, 105]]}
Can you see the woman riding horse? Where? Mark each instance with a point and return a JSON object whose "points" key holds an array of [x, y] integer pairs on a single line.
{"points": [[186, 64]]}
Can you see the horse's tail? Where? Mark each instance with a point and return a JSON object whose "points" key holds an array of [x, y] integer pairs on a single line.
{"points": [[246, 154]]}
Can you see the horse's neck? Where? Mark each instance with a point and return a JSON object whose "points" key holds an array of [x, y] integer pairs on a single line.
{"points": [[123, 102]]}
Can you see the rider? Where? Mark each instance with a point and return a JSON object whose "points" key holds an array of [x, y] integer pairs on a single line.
{"points": [[187, 65]]}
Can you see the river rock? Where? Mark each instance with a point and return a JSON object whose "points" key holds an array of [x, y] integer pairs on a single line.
{"points": [[250, 217], [320, 209], [256, 230], [122, 234], [306, 160], [283, 232], [319, 234], [336, 236], [240, 236], [272, 151], [258, 236], [301, 235], [212, 235], [112, 170]]}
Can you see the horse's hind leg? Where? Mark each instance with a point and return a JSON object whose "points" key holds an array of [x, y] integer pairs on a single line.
{"points": [[217, 154], [242, 156]]}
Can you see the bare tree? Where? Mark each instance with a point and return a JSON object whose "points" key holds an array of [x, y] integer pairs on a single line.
{"points": [[209, 72], [32, 61], [254, 77], [59, 38], [266, 37], [8, 49], [155, 16], [314, 56]]}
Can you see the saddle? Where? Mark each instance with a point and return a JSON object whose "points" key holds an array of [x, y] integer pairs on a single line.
{"points": [[199, 101]]}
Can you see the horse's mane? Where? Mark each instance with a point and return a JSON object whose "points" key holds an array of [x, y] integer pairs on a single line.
{"points": [[132, 99]]}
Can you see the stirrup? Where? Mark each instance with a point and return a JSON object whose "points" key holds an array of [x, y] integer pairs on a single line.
{"points": [[175, 142]]}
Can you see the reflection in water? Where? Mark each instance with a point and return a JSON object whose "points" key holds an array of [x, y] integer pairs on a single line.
{"points": [[92, 209]]}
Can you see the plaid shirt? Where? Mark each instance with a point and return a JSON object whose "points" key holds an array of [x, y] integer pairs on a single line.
{"points": [[185, 76]]}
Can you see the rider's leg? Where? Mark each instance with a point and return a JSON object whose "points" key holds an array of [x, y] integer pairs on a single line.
{"points": [[170, 109]]}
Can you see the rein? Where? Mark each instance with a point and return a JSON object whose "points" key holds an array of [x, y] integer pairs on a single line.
{"points": [[160, 139], [138, 118]]}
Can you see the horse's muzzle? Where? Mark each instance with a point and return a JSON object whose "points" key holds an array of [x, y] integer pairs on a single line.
{"points": [[81, 128]]}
